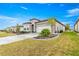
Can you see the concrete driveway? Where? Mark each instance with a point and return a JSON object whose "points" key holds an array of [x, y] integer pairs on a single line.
{"points": [[10, 39]]}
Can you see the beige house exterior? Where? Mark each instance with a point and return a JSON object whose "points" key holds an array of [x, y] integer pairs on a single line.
{"points": [[76, 26], [30, 26], [36, 26], [26, 27], [13, 29], [45, 25]]}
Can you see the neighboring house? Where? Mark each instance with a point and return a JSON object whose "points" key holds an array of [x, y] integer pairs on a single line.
{"points": [[14, 29], [11, 29], [8, 29], [76, 26]]}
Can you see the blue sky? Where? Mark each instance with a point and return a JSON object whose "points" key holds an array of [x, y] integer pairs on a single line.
{"points": [[13, 13]]}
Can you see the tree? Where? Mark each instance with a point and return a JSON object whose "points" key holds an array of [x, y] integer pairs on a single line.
{"points": [[67, 26], [17, 28], [52, 21]]}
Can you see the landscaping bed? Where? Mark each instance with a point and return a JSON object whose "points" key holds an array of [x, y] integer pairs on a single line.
{"points": [[41, 37], [45, 34]]}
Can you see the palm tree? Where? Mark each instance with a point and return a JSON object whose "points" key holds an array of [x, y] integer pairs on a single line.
{"points": [[67, 26], [52, 21], [17, 28]]}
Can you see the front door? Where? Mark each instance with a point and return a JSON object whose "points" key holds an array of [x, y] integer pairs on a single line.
{"points": [[32, 28]]}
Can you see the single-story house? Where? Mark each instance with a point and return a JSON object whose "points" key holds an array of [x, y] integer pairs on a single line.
{"points": [[76, 26], [37, 26], [11, 29], [30, 26], [26, 27]]}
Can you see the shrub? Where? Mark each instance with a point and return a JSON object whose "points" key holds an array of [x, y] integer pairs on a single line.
{"points": [[61, 31], [24, 31], [45, 33]]}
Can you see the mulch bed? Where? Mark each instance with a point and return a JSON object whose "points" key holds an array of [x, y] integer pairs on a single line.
{"points": [[51, 36]]}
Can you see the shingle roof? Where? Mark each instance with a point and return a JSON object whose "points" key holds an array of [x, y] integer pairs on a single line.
{"points": [[47, 20], [34, 19], [76, 21], [27, 23], [31, 20]]}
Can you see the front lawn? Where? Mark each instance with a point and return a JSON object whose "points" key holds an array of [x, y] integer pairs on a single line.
{"points": [[66, 44], [4, 34]]}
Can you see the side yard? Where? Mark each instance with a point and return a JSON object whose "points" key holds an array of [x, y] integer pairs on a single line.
{"points": [[66, 44]]}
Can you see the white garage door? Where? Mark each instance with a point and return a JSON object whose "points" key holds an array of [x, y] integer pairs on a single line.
{"points": [[39, 28]]}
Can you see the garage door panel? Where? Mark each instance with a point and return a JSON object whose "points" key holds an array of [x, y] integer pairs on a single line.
{"points": [[40, 28]]}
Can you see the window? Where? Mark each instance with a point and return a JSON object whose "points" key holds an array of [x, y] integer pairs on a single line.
{"points": [[27, 28], [24, 28]]}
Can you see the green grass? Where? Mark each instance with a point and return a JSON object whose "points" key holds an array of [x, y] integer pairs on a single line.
{"points": [[65, 45], [4, 34]]}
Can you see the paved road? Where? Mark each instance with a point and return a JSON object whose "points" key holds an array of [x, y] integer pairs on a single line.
{"points": [[10, 39]]}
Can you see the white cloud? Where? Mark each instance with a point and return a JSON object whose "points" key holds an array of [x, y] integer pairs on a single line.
{"points": [[48, 4], [24, 8], [8, 20], [73, 12], [45, 4], [68, 22], [7, 17]]}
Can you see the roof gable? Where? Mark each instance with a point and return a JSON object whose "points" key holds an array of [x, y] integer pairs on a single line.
{"points": [[47, 20], [34, 19], [77, 21]]}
